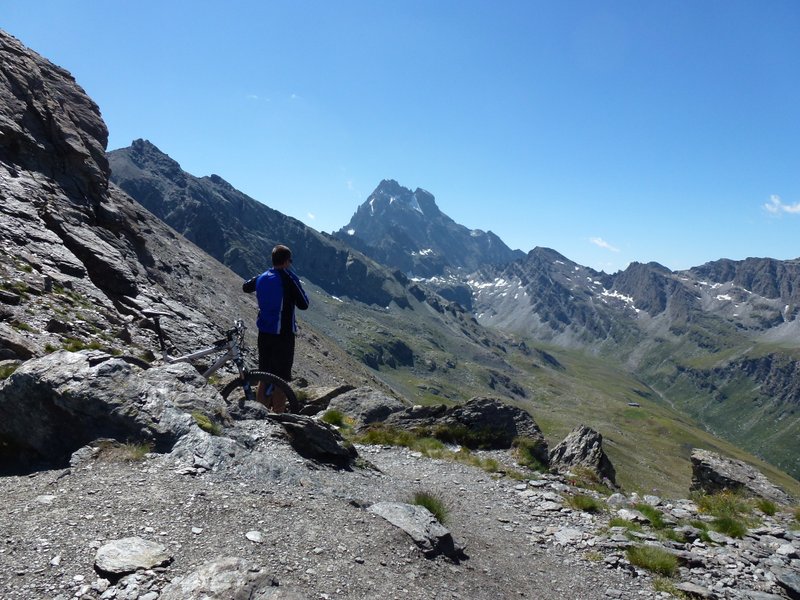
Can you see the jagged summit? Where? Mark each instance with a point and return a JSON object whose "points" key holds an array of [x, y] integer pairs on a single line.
{"points": [[390, 196], [407, 230]]}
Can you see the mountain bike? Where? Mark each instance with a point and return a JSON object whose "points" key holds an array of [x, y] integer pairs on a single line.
{"points": [[230, 348]]}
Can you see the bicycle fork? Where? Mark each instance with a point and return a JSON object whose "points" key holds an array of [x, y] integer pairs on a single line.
{"points": [[248, 389]]}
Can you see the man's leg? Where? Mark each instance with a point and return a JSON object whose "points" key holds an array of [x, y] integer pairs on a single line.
{"points": [[261, 396], [278, 400]]}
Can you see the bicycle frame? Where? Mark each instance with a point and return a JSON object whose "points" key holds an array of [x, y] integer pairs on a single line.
{"points": [[231, 345]]}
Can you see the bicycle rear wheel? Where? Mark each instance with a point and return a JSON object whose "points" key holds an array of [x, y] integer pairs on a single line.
{"points": [[233, 392]]}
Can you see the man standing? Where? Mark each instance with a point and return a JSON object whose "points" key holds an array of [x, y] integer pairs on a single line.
{"points": [[278, 291]]}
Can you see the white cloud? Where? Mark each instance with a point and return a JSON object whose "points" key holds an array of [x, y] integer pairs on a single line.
{"points": [[312, 216], [252, 96], [600, 242], [777, 207]]}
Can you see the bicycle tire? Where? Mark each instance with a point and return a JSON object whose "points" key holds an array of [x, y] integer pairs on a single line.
{"points": [[234, 392]]}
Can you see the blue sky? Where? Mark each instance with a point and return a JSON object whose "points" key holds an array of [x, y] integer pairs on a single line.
{"points": [[610, 131]]}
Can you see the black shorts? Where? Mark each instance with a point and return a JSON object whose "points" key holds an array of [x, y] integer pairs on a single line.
{"points": [[276, 354]]}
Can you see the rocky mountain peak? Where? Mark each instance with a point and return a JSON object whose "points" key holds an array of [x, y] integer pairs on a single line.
{"points": [[390, 200], [217, 180], [407, 231], [145, 157]]}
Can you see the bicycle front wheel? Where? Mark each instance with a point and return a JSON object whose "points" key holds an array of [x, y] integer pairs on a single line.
{"points": [[234, 391]]}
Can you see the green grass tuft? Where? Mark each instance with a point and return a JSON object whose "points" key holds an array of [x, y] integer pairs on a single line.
{"points": [[663, 584], [136, 452], [380, 435], [526, 450], [6, 371], [585, 503], [654, 515], [653, 559], [471, 438], [421, 441], [620, 522], [723, 504], [730, 526], [205, 423], [333, 417], [766, 506], [797, 514], [434, 504], [127, 452], [75, 345], [731, 511]]}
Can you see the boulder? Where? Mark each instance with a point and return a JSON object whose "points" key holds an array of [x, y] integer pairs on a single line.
{"points": [[712, 473], [428, 533], [13, 345], [225, 579], [366, 405], [481, 422], [316, 440], [54, 405], [127, 555], [583, 448], [789, 581], [318, 398]]}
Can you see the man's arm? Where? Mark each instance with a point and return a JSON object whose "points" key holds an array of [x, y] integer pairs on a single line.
{"points": [[299, 296], [249, 286]]}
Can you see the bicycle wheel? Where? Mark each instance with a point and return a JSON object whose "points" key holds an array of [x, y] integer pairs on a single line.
{"points": [[233, 392]]}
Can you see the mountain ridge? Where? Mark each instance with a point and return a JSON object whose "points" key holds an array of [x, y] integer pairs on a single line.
{"points": [[240, 232]]}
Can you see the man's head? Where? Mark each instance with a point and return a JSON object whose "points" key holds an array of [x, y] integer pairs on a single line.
{"points": [[281, 256]]}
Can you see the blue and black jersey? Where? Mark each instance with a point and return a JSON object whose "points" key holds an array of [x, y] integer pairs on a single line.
{"points": [[278, 291]]}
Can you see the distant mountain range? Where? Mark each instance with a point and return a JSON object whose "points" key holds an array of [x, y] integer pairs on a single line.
{"points": [[719, 341]]}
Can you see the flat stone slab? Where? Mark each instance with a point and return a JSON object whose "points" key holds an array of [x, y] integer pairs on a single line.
{"points": [[428, 533], [128, 555], [228, 578]]}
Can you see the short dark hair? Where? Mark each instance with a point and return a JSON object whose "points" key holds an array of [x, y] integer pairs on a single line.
{"points": [[280, 254]]}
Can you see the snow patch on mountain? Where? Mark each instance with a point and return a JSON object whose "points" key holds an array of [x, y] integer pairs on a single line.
{"points": [[613, 294]]}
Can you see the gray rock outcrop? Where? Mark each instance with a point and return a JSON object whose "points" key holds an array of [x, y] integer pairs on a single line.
{"points": [[53, 405], [481, 422], [316, 440], [712, 473], [226, 579], [583, 448], [366, 405]]}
